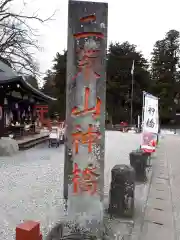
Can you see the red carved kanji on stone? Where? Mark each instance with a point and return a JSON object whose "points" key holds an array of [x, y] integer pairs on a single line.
{"points": [[94, 110], [88, 137], [84, 180], [85, 66]]}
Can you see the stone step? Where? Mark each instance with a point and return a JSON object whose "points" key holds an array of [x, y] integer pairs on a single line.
{"points": [[32, 142]]}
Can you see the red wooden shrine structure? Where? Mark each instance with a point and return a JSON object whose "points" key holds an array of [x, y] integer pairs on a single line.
{"points": [[41, 110]]}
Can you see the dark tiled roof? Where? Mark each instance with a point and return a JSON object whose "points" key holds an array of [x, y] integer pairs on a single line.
{"points": [[7, 75]]}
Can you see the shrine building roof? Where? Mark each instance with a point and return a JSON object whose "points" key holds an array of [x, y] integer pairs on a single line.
{"points": [[8, 76]]}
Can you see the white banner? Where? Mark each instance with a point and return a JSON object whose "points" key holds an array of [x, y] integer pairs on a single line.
{"points": [[151, 115]]}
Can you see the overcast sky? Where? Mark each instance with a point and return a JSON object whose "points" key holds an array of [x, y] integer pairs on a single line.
{"points": [[140, 22]]}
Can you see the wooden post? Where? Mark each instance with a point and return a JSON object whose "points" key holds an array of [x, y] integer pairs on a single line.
{"points": [[85, 112], [2, 113], [28, 230]]}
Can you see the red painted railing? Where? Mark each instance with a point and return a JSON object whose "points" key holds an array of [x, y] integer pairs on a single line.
{"points": [[28, 230]]}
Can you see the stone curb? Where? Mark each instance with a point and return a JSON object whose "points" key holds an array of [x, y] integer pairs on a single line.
{"points": [[138, 223], [158, 220]]}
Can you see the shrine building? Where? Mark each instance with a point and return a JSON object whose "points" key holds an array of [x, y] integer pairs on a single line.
{"points": [[21, 105]]}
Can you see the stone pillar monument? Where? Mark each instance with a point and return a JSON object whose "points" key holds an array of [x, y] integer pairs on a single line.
{"points": [[85, 112]]}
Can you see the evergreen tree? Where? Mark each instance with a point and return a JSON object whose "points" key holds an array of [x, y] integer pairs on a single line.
{"points": [[55, 85], [165, 74], [60, 82], [49, 84], [119, 63], [33, 81], [119, 81]]}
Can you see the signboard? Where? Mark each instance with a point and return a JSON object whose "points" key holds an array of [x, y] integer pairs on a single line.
{"points": [[151, 116], [85, 108], [150, 123]]}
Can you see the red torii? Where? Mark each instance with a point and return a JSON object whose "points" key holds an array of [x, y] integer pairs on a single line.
{"points": [[41, 109]]}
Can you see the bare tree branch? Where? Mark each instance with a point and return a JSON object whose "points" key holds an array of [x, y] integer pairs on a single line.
{"points": [[18, 38]]}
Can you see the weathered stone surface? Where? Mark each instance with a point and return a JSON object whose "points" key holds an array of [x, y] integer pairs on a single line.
{"points": [[122, 191], [8, 147], [68, 231], [85, 111], [138, 160]]}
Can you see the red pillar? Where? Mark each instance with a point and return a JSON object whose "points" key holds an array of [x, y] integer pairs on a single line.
{"points": [[28, 230]]}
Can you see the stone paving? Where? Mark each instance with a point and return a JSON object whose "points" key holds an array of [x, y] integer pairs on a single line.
{"points": [[162, 213], [172, 147], [31, 183]]}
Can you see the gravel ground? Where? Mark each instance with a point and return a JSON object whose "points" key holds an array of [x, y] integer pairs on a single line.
{"points": [[31, 182]]}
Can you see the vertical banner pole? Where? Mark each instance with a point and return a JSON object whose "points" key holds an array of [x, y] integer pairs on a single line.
{"points": [[142, 119], [143, 107], [85, 113], [132, 96], [138, 125]]}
